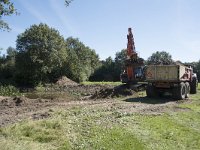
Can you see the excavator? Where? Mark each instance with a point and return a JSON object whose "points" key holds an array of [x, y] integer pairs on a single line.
{"points": [[177, 79], [134, 65]]}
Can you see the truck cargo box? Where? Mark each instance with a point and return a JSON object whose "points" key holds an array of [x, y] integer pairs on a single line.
{"points": [[166, 73]]}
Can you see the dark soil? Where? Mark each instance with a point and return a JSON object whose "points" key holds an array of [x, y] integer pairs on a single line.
{"points": [[119, 91], [15, 109]]}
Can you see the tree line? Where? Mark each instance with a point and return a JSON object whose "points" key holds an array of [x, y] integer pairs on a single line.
{"points": [[42, 55]]}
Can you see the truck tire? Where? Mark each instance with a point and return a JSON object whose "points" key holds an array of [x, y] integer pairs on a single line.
{"points": [[187, 86], [193, 86], [180, 91], [151, 91]]}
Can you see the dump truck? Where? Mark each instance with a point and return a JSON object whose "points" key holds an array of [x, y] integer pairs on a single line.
{"points": [[177, 79]]}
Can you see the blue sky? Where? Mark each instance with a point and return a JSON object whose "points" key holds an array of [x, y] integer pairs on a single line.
{"points": [[169, 25]]}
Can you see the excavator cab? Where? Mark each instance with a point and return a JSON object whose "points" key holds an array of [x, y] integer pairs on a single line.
{"points": [[138, 75]]}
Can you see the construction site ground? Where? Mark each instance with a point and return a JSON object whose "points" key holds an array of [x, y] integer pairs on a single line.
{"points": [[108, 106], [38, 105]]}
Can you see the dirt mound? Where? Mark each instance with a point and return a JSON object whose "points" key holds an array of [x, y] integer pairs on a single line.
{"points": [[88, 90], [118, 91], [16, 101], [64, 81]]}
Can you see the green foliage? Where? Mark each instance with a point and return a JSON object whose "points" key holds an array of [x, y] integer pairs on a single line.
{"points": [[44, 51], [7, 67], [40, 88], [6, 9], [110, 69], [81, 61], [120, 58], [105, 72], [42, 56], [159, 58], [9, 91]]}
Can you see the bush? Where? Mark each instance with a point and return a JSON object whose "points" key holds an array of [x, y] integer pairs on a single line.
{"points": [[9, 90], [40, 88]]}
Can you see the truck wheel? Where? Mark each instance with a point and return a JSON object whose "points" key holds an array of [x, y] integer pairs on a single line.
{"points": [[193, 86], [187, 86], [180, 91], [151, 91]]}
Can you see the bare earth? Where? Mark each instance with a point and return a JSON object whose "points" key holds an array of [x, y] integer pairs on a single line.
{"points": [[15, 109]]}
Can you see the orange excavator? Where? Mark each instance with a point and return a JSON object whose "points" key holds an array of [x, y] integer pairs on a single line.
{"points": [[134, 71]]}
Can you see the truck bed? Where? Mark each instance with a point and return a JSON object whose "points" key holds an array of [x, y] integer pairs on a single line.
{"points": [[166, 73]]}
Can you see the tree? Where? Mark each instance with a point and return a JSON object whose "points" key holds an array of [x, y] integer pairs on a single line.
{"points": [[42, 51], [7, 66], [159, 58], [6, 9], [11, 52], [110, 69], [120, 58], [81, 62]]}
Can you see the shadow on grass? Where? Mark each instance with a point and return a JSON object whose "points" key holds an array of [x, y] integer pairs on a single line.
{"points": [[159, 100]]}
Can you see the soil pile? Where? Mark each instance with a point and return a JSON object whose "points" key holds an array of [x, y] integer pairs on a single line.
{"points": [[119, 91], [16, 101], [88, 90], [64, 81]]}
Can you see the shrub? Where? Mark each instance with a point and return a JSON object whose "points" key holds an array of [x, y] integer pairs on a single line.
{"points": [[9, 90]]}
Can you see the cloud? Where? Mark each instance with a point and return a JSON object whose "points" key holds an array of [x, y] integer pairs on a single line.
{"points": [[33, 11], [62, 16]]}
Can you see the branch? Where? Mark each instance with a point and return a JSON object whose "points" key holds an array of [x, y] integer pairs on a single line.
{"points": [[67, 2]]}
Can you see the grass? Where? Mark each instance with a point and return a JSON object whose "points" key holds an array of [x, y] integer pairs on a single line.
{"points": [[165, 132], [43, 134], [102, 128]]}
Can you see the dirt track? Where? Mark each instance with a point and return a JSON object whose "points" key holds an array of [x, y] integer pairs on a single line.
{"points": [[14, 109]]}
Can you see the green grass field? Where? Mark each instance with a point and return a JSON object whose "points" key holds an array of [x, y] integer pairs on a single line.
{"points": [[89, 128]]}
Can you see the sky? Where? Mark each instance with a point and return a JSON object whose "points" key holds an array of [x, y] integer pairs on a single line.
{"points": [[158, 25]]}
